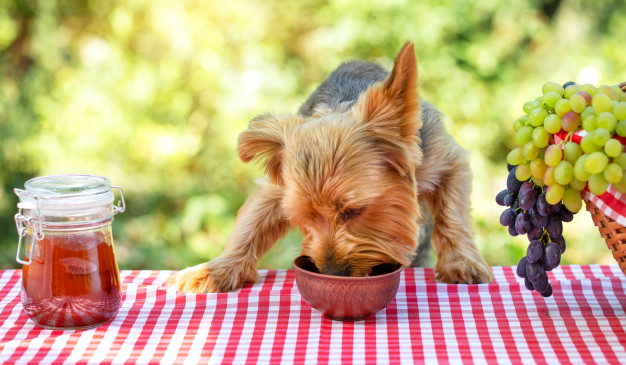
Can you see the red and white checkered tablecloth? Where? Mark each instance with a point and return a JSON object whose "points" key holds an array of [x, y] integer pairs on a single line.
{"points": [[583, 322]]}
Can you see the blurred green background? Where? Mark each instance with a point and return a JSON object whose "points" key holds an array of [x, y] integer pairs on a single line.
{"points": [[153, 95]]}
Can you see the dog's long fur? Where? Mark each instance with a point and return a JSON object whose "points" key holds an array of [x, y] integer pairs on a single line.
{"points": [[354, 170]]}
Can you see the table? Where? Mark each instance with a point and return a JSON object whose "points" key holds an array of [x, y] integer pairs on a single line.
{"points": [[502, 322]]}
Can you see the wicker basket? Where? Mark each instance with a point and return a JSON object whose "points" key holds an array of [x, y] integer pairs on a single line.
{"points": [[613, 233]]}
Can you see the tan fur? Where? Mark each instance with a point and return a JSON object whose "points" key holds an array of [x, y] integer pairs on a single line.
{"points": [[352, 179]]}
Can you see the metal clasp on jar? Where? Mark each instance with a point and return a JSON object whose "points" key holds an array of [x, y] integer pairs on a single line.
{"points": [[119, 208], [27, 225]]}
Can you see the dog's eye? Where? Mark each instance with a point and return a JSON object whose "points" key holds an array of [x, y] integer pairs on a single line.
{"points": [[348, 214]]}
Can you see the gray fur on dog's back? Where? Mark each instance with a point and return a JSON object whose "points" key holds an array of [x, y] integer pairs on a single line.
{"points": [[342, 88], [345, 84]]}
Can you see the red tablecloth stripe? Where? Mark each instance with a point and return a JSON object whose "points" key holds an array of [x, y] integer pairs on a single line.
{"points": [[584, 322]]}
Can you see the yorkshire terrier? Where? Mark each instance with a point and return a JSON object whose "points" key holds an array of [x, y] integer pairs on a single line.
{"points": [[360, 169]]}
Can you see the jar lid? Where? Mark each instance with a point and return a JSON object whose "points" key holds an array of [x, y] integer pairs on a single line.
{"points": [[67, 185], [68, 199]]}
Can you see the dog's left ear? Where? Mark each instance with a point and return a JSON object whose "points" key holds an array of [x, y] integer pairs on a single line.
{"points": [[392, 106], [264, 141]]}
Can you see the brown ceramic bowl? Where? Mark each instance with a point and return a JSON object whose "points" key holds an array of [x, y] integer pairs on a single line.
{"points": [[345, 298]]}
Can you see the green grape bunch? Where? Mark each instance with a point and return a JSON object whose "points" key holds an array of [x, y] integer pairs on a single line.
{"points": [[563, 169]]}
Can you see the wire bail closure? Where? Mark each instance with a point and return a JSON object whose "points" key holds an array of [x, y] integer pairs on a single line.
{"points": [[121, 205], [27, 225]]}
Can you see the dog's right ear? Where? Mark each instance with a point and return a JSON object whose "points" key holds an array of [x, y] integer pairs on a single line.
{"points": [[264, 141]]}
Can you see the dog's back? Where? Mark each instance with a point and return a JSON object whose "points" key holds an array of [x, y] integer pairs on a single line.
{"points": [[343, 86]]}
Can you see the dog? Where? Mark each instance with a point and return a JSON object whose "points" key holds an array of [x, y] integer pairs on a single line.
{"points": [[359, 169]]}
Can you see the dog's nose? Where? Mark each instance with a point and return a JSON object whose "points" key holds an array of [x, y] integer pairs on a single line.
{"points": [[335, 270]]}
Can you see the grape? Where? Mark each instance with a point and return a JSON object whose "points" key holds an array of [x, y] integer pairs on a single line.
{"points": [[527, 199], [507, 217], [596, 162], [542, 205], [554, 194], [577, 184], [522, 172], [538, 168], [509, 200], [552, 255], [565, 215], [570, 121], [621, 185], [548, 176], [597, 184], [601, 136], [620, 128], [607, 121], [512, 231], [535, 271], [602, 103], [521, 267], [541, 285], [619, 110], [570, 90], [537, 180], [563, 173], [550, 98], [613, 173], [578, 103], [537, 219], [572, 200], [522, 223], [537, 116], [589, 123], [621, 160], [552, 124], [516, 156], [588, 145], [561, 108], [552, 87], [500, 197], [554, 226], [565, 85], [531, 105], [609, 91], [534, 252], [572, 151], [548, 292], [541, 138], [580, 173], [553, 155], [590, 89], [534, 233], [588, 112], [520, 122], [560, 241], [512, 183], [613, 147], [524, 135], [530, 151]]}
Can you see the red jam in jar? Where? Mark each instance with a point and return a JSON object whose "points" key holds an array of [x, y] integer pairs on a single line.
{"points": [[70, 278]]}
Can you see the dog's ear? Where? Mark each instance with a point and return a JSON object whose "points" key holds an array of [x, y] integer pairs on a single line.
{"points": [[391, 106], [264, 141]]}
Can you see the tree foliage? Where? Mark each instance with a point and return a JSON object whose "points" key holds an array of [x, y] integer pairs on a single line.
{"points": [[153, 94]]}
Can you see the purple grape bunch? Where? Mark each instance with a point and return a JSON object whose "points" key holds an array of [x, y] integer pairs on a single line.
{"points": [[529, 213]]}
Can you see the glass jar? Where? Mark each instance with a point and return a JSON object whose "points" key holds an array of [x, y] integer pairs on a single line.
{"points": [[70, 278]]}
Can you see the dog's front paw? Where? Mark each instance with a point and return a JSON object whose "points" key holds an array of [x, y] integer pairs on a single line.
{"points": [[463, 270], [196, 279], [210, 277]]}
